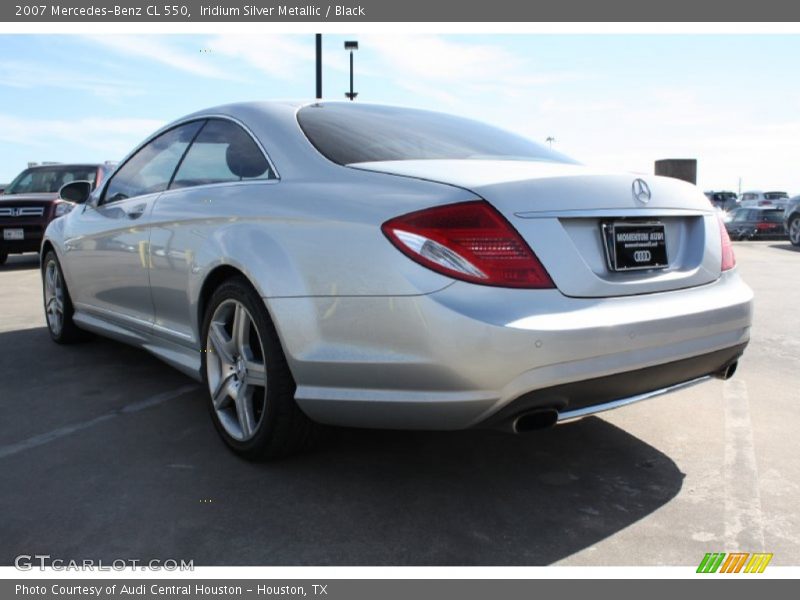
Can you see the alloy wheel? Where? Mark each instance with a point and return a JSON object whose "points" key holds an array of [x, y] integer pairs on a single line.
{"points": [[54, 298], [794, 231], [236, 370]]}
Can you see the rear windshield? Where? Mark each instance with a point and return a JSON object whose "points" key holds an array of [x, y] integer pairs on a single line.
{"points": [[774, 216], [49, 179], [775, 195], [347, 134]]}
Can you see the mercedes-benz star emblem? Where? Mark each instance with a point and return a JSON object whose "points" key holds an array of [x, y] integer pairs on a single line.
{"points": [[641, 191]]}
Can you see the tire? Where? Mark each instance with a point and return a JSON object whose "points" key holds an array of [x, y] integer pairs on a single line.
{"points": [[3, 257], [58, 308], [794, 231], [250, 387]]}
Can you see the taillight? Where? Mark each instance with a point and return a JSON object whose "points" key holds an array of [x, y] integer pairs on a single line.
{"points": [[728, 258], [469, 241], [765, 226]]}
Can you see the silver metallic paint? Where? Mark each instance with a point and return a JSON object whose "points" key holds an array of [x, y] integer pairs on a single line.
{"points": [[371, 337]]}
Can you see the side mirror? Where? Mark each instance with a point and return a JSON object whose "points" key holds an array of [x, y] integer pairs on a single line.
{"points": [[75, 191]]}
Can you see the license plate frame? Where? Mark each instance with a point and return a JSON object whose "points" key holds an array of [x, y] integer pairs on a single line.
{"points": [[642, 247], [13, 235]]}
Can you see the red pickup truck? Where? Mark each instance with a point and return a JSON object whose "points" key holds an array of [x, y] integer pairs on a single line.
{"points": [[30, 202]]}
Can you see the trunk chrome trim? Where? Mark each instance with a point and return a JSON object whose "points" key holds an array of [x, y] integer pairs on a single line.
{"points": [[599, 213]]}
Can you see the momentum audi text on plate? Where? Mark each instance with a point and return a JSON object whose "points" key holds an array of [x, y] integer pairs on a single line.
{"points": [[373, 266]]}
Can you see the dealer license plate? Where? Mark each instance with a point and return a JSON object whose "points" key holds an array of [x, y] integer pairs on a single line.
{"points": [[634, 246]]}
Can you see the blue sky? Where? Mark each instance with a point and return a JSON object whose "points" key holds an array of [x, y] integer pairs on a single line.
{"points": [[614, 101]]}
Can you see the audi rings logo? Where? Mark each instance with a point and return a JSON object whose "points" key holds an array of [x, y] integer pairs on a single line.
{"points": [[641, 191], [641, 256]]}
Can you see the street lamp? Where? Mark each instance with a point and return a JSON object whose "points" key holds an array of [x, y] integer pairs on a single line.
{"points": [[351, 45], [550, 139]]}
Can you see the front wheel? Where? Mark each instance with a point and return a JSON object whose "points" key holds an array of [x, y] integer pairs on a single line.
{"points": [[251, 390], [794, 231], [58, 304]]}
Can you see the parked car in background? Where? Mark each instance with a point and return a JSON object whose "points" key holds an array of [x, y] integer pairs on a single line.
{"points": [[791, 220], [722, 200], [756, 198], [31, 201], [757, 222], [363, 265]]}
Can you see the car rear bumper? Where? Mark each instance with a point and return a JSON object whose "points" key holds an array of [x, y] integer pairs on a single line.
{"points": [[470, 355]]}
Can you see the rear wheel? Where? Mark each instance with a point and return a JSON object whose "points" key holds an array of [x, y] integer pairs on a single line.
{"points": [[58, 304], [3, 257], [794, 231], [251, 390]]}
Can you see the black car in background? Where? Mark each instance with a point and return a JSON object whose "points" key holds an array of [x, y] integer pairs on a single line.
{"points": [[756, 222], [791, 220]]}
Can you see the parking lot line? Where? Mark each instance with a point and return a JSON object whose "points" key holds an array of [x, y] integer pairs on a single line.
{"points": [[46, 438], [744, 524]]}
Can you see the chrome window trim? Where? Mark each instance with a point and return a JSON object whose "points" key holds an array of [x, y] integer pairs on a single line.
{"points": [[186, 121]]}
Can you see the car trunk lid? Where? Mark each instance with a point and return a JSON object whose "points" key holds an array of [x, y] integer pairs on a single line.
{"points": [[561, 210]]}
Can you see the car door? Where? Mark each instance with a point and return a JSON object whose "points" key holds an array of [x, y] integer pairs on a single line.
{"points": [[106, 248], [212, 189]]}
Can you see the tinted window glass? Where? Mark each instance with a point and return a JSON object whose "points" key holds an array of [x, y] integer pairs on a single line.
{"points": [[49, 179], [222, 152], [347, 133], [741, 215], [774, 216], [151, 168], [775, 195]]}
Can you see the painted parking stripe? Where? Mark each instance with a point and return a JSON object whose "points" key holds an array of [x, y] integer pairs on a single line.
{"points": [[744, 524], [46, 438]]}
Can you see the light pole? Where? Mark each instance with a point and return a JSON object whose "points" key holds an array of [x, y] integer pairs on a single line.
{"points": [[318, 39], [351, 46], [550, 139]]}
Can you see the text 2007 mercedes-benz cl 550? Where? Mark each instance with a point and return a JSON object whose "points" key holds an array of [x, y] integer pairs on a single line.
{"points": [[373, 266]]}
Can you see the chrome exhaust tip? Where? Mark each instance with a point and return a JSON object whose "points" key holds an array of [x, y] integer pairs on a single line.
{"points": [[728, 371], [534, 420]]}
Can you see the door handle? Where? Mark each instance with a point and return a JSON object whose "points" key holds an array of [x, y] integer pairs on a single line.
{"points": [[136, 212]]}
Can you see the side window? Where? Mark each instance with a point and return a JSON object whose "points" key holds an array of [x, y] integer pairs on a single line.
{"points": [[221, 153], [151, 168]]}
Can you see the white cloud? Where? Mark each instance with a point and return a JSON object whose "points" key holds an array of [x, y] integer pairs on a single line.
{"points": [[157, 49], [27, 75], [96, 138], [281, 56], [431, 66]]}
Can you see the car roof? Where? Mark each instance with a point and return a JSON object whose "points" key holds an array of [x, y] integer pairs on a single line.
{"points": [[65, 166]]}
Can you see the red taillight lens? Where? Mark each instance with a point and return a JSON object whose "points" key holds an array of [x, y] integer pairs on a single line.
{"points": [[728, 258], [469, 241]]}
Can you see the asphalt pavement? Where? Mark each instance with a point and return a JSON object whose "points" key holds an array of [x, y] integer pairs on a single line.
{"points": [[106, 453]]}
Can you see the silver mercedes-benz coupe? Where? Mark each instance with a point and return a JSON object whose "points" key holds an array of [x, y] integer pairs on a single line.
{"points": [[373, 266]]}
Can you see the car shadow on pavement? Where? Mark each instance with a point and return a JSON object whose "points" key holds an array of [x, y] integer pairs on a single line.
{"points": [[156, 482], [21, 262]]}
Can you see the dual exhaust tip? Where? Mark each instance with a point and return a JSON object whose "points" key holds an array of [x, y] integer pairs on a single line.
{"points": [[728, 371], [544, 418]]}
